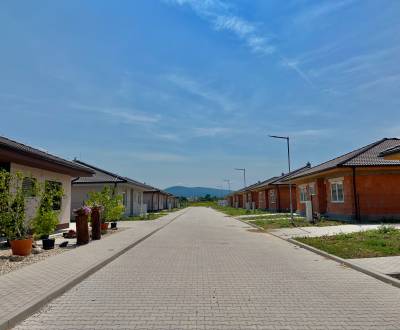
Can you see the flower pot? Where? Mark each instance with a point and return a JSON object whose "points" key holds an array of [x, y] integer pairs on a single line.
{"points": [[48, 243], [21, 247], [113, 225], [104, 226], [82, 229], [96, 223]]}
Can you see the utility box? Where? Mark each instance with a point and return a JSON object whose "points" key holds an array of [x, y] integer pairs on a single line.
{"points": [[309, 211]]}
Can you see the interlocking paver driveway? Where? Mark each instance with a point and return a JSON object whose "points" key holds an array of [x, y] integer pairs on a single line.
{"points": [[208, 271]]}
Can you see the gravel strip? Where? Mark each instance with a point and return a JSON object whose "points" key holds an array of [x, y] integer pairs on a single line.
{"points": [[7, 266]]}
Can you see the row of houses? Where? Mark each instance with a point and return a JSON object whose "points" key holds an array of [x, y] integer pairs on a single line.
{"points": [[362, 185], [77, 179]]}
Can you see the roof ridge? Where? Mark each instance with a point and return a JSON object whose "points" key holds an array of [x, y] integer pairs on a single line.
{"points": [[101, 170], [35, 152], [308, 165], [360, 152]]}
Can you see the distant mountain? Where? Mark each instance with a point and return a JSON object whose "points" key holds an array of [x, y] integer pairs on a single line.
{"points": [[196, 191]]}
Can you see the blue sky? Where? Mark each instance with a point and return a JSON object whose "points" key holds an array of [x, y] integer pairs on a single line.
{"points": [[183, 91]]}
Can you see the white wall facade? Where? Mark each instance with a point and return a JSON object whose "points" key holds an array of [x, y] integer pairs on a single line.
{"points": [[41, 176], [133, 197]]}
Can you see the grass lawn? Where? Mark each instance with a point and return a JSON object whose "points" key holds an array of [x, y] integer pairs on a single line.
{"points": [[149, 216], [276, 221], [231, 211], [382, 242]]}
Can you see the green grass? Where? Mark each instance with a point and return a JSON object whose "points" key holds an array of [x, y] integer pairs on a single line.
{"points": [[276, 221], [150, 216], [382, 242], [231, 211]]}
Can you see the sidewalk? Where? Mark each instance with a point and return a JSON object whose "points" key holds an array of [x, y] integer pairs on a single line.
{"points": [[25, 290], [383, 265], [286, 233]]}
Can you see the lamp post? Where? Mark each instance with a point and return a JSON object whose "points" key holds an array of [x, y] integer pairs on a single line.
{"points": [[290, 182], [229, 184], [244, 175]]}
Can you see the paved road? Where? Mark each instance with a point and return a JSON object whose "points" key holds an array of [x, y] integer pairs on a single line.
{"points": [[208, 271]]}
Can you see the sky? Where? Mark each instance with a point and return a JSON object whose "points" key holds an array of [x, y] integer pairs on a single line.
{"points": [[181, 92]]}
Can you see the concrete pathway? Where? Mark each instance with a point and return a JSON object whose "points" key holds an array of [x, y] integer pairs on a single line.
{"points": [[383, 265], [322, 231], [25, 289], [208, 271]]}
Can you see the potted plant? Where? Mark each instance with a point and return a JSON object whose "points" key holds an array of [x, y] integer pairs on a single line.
{"points": [[115, 211], [12, 213], [46, 220], [111, 203]]}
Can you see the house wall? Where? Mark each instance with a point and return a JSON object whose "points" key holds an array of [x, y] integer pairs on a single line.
{"points": [[41, 176], [133, 200], [254, 198], [262, 203], [283, 198], [378, 194]]}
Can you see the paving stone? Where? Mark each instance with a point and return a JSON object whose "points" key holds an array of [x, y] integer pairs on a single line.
{"points": [[208, 271]]}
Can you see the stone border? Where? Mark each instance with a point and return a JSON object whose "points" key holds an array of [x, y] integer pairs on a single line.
{"points": [[21, 314], [381, 277]]}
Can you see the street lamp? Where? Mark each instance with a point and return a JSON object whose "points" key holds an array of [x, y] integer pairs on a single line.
{"points": [[290, 182], [244, 175], [229, 184]]}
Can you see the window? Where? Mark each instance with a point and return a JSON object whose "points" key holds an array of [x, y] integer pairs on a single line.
{"points": [[28, 187], [124, 202], [272, 197], [337, 195], [56, 187], [311, 189], [303, 194]]}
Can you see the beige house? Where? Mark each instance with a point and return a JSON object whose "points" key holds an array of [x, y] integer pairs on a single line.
{"points": [[131, 190], [157, 200], [42, 167]]}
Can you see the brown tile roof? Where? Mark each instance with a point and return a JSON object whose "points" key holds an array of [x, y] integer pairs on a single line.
{"points": [[274, 180], [21, 148], [365, 156], [390, 151]]}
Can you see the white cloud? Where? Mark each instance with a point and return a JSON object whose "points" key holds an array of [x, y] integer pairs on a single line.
{"points": [[201, 90], [211, 131], [218, 14], [321, 10], [159, 156], [124, 115]]}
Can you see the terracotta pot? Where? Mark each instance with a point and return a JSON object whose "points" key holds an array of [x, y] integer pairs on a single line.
{"points": [[21, 247], [104, 226]]}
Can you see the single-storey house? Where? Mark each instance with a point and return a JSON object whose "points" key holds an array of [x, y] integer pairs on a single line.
{"points": [[131, 190], [274, 194], [42, 167], [157, 200], [362, 185]]}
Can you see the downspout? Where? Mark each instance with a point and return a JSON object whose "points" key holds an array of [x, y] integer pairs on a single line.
{"points": [[355, 197]]}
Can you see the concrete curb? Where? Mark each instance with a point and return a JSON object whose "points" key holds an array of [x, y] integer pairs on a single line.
{"points": [[378, 276], [24, 312], [381, 277]]}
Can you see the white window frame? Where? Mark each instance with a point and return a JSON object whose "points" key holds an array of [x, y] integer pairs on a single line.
{"points": [[303, 194], [335, 194], [272, 196]]}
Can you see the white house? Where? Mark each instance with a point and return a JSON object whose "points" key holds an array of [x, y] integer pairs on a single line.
{"points": [[131, 190], [42, 167]]}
